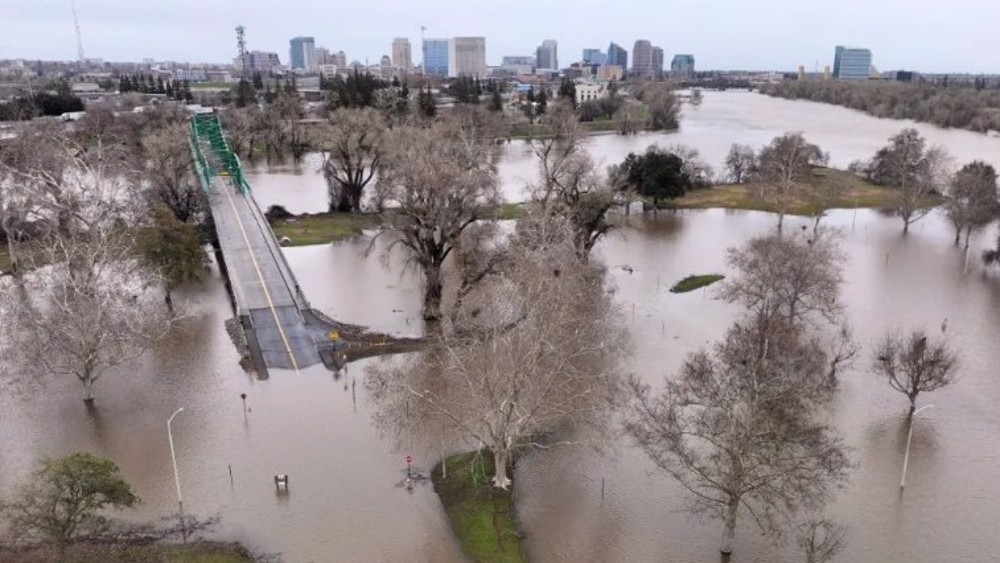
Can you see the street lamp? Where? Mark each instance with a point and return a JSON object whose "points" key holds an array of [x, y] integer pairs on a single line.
{"points": [[909, 437], [177, 479]]}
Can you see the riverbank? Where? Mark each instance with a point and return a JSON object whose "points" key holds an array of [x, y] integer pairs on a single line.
{"points": [[83, 552], [481, 516], [851, 192]]}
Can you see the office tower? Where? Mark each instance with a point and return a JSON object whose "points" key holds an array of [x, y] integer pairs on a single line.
{"points": [[852, 63], [401, 56], [467, 56], [642, 59], [682, 66], [436, 57], [547, 56], [657, 62], [594, 57], [302, 53], [617, 56]]}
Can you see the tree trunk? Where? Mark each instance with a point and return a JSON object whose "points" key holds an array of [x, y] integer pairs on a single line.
{"points": [[906, 225], [501, 460], [729, 532], [968, 235], [432, 293], [913, 404], [781, 222], [169, 299], [958, 235], [88, 389]]}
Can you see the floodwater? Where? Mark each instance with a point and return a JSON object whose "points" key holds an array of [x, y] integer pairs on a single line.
{"points": [[344, 503]]}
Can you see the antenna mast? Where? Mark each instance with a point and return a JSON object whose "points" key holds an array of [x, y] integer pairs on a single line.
{"points": [[79, 37], [241, 41]]}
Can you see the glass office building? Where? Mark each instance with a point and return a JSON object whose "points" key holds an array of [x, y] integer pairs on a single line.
{"points": [[436, 57], [852, 63]]}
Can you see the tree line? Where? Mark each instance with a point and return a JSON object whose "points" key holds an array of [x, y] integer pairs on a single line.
{"points": [[56, 99], [146, 84], [956, 106]]}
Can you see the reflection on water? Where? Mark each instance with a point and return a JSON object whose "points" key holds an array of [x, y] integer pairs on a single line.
{"points": [[343, 503]]}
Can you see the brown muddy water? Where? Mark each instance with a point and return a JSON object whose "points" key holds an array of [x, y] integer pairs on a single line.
{"points": [[344, 503]]}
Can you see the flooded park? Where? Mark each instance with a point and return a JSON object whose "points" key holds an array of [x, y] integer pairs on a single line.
{"points": [[345, 501]]}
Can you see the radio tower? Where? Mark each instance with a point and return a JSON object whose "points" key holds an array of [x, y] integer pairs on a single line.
{"points": [[79, 37], [241, 41]]}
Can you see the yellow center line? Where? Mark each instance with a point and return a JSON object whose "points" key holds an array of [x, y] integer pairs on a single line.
{"points": [[260, 276]]}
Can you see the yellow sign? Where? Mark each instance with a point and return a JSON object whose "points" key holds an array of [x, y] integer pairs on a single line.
{"points": [[334, 335]]}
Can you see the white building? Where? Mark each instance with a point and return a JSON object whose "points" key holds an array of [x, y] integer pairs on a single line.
{"points": [[401, 54], [589, 91], [467, 56]]}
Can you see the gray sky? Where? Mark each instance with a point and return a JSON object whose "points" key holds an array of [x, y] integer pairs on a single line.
{"points": [[925, 35]]}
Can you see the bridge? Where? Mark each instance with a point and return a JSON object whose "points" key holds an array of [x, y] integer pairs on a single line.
{"points": [[282, 330]]}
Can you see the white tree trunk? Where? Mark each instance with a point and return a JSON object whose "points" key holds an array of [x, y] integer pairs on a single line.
{"points": [[729, 532], [500, 479]]}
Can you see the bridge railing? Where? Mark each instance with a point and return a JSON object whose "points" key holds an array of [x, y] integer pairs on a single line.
{"points": [[208, 128]]}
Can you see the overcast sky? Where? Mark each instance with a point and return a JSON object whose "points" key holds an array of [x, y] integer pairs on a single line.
{"points": [[924, 35]]}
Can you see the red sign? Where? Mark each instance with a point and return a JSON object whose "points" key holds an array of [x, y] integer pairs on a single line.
{"points": [[409, 460]]}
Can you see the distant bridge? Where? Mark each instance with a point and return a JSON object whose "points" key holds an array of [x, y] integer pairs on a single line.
{"points": [[282, 330]]}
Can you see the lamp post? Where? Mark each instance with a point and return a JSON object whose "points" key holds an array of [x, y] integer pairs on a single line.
{"points": [[177, 479], [909, 437]]}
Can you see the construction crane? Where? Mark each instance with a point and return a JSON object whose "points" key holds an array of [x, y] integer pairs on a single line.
{"points": [[79, 36]]}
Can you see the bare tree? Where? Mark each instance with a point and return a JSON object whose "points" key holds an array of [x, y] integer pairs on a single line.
{"points": [[914, 170], [820, 540], [664, 107], [737, 429], [971, 202], [626, 119], [783, 166], [85, 307], [440, 179], [740, 162], [535, 367], [570, 184], [170, 171], [915, 364], [354, 144], [697, 170], [793, 279]]}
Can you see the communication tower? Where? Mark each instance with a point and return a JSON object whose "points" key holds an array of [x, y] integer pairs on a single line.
{"points": [[241, 42], [79, 37]]}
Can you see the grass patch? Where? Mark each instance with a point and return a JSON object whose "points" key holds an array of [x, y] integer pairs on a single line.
{"points": [[478, 512], [510, 211], [195, 552], [692, 283], [854, 192], [5, 265], [323, 228]]}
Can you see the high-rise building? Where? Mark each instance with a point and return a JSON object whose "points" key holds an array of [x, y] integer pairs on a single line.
{"points": [[302, 54], [259, 61], [852, 63], [594, 57], [467, 56], [682, 66], [547, 55], [401, 56], [617, 56], [436, 57], [642, 59], [339, 59], [657, 62]]}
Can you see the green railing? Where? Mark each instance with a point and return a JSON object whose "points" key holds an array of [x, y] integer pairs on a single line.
{"points": [[206, 129]]}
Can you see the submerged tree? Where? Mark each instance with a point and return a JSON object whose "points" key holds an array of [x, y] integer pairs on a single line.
{"points": [[65, 497], [916, 172], [915, 364], [171, 248], [737, 428], [170, 172], [533, 364], [657, 174], [971, 202], [569, 184], [354, 144], [441, 179], [820, 540], [783, 167]]}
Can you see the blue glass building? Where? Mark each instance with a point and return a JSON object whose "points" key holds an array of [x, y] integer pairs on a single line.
{"points": [[436, 57], [852, 63], [617, 56], [300, 49]]}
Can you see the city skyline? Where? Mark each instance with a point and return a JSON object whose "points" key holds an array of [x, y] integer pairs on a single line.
{"points": [[724, 34]]}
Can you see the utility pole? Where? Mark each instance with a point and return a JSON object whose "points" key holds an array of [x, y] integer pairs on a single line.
{"points": [[241, 42]]}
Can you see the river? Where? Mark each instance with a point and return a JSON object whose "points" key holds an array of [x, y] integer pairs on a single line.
{"points": [[344, 502]]}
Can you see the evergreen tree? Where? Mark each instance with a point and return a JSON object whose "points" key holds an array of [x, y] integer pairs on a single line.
{"points": [[567, 91], [496, 99], [160, 88], [258, 80], [425, 103], [543, 100]]}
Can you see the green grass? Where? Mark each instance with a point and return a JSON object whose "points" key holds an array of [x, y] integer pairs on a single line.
{"points": [[323, 228], [854, 192], [195, 552], [4, 260], [473, 506], [692, 283], [509, 211], [203, 85]]}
